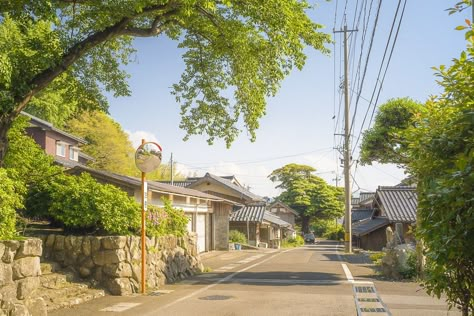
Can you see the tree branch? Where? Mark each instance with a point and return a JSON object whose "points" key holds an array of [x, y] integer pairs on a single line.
{"points": [[41, 80]]}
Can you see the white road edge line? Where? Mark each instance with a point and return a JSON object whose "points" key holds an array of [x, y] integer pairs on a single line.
{"points": [[219, 281], [348, 273]]}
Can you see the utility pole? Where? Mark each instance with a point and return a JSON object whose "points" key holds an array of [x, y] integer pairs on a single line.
{"points": [[172, 175], [347, 148]]}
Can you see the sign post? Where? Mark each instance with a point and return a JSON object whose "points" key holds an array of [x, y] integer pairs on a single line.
{"points": [[147, 159]]}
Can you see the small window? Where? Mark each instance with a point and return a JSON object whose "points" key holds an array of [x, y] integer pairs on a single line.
{"points": [[73, 153], [61, 149]]}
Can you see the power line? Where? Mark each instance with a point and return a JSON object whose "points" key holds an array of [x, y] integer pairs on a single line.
{"points": [[244, 162], [380, 70], [366, 62]]}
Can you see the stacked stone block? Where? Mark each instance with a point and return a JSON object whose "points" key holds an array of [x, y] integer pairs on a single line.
{"points": [[114, 262], [20, 278]]}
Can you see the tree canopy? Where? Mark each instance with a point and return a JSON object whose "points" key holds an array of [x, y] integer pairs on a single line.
{"points": [[435, 142], [307, 193], [245, 48], [385, 142], [110, 146], [107, 143]]}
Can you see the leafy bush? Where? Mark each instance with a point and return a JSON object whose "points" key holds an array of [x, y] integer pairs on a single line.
{"points": [[292, 242], [80, 202], [410, 270], [166, 220], [11, 198], [237, 237], [377, 257], [335, 233]]}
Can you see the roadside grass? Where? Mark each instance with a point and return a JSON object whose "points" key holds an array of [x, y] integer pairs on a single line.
{"points": [[298, 241]]}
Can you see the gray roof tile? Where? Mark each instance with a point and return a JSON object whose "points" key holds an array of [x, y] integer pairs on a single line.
{"points": [[240, 190], [183, 184], [398, 203], [361, 214], [369, 225], [275, 220], [251, 213]]}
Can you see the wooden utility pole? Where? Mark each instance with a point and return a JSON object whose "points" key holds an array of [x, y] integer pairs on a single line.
{"points": [[143, 235], [347, 148]]}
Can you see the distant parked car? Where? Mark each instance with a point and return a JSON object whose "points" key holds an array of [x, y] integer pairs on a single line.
{"points": [[309, 238]]}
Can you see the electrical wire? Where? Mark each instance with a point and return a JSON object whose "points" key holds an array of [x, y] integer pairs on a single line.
{"points": [[379, 82]]}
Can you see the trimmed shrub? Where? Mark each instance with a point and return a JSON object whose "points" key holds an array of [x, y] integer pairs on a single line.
{"points": [[81, 203], [237, 237], [166, 220], [11, 198]]}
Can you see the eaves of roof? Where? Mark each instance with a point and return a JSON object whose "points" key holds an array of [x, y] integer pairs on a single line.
{"points": [[135, 183], [248, 213], [398, 203], [285, 206], [48, 126], [267, 216], [369, 225], [221, 181]]}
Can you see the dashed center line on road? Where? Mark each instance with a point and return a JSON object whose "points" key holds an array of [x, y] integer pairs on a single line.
{"points": [[234, 265], [219, 281]]}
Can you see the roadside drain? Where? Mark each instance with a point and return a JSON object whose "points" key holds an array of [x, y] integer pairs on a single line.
{"points": [[216, 298], [368, 301]]}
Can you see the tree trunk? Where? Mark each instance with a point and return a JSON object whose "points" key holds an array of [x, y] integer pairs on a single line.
{"points": [[305, 224], [5, 124]]}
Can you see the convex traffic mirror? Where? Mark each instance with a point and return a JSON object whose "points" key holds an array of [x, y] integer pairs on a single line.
{"points": [[148, 157]]}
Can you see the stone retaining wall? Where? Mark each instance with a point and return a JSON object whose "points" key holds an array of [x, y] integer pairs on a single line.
{"points": [[19, 278], [113, 262]]}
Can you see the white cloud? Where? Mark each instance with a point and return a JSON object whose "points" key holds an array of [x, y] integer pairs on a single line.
{"points": [[137, 136]]}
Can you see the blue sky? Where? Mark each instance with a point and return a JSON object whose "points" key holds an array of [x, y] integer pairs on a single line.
{"points": [[298, 126]]}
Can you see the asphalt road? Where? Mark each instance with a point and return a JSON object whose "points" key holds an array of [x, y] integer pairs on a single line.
{"points": [[311, 280]]}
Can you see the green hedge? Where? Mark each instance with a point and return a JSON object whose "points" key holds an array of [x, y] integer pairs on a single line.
{"points": [[11, 198], [81, 203]]}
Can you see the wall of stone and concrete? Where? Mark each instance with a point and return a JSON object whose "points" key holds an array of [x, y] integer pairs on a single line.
{"points": [[20, 278], [221, 225], [114, 262]]}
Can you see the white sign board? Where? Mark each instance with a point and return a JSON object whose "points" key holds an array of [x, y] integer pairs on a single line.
{"points": [[145, 195]]}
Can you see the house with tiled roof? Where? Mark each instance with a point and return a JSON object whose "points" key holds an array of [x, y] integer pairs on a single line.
{"points": [[208, 214], [227, 188], [259, 225], [63, 146], [391, 205]]}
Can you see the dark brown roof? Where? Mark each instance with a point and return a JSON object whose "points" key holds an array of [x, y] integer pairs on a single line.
{"points": [[398, 203]]}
